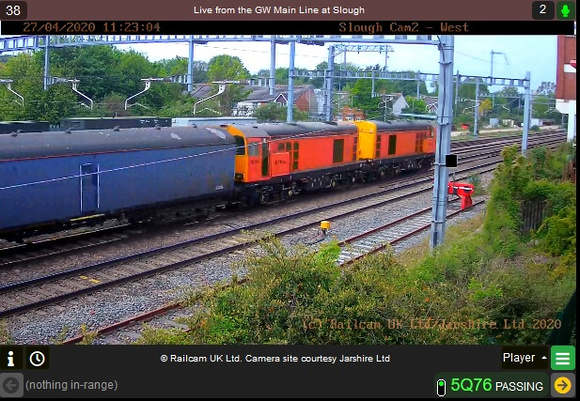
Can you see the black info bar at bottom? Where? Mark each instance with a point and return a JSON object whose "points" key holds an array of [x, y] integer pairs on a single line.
{"points": [[278, 371]]}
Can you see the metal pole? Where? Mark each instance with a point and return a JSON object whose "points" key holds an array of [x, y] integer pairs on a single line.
{"points": [[385, 112], [476, 116], [46, 63], [418, 83], [328, 81], [444, 120], [290, 113], [190, 67], [456, 91], [272, 82], [527, 106], [491, 80]]}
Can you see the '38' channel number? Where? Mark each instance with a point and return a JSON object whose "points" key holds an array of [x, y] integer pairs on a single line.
{"points": [[13, 10]]}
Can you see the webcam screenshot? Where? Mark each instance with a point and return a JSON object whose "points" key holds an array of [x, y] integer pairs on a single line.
{"points": [[325, 199]]}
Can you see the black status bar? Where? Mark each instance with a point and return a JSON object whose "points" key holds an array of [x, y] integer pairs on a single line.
{"points": [[346, 27], [283, 371]]}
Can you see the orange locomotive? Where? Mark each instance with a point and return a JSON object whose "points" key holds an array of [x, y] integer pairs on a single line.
{"points": [[279, 160]]}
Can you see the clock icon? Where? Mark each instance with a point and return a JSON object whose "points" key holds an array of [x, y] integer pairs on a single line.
{"points": [[37, 359]]}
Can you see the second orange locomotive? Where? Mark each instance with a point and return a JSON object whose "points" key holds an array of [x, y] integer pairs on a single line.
{"points": [[279, 160]]}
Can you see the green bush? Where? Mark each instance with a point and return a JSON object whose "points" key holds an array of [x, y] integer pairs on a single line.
{"points": [[488, 277]]}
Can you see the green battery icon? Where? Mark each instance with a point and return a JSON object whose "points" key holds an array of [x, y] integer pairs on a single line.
{"points": [[441, 387]]}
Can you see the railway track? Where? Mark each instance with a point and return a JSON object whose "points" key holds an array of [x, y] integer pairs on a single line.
{"points": [[65, 243], [352, 249], [389, 234], [53, 288], [77, 282], [26, 295], [62, 243]]}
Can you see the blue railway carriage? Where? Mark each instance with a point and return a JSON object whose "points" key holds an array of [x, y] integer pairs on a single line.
{"points": [[62, 178]]}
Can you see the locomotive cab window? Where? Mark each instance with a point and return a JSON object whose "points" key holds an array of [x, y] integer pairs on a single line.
{"points": [[240, 146], [253, 149]]}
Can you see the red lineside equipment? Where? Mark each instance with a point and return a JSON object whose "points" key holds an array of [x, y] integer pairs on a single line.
{"points": [[463, 190]]}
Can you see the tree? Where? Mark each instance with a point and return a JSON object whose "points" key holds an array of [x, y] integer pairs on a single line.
{"points": [[179, 66], [507, 102], [228, 68], [277, 112], [467, 91], [415, 106], [107, 75], [26, 75], [281, 76], [547, 89], [543, 107], [97, 68], [409, 88], [348, 69], [484, 106], [362, 97], [319, 82]]}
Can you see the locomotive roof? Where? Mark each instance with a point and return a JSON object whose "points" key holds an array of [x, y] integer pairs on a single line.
{"points": [[401, 125], [299, 129], [57, 143]]}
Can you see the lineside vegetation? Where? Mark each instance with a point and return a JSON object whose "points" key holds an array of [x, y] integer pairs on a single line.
{"points": [[488, 284]]}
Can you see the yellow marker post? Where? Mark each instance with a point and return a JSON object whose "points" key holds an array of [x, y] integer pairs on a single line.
{"points": [[325, 226]]}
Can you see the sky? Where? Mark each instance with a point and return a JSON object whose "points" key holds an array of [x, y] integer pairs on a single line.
{"points": [[472, 56]]}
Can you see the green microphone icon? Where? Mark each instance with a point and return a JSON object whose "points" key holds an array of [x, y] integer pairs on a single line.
{"points": [[566, 10]]}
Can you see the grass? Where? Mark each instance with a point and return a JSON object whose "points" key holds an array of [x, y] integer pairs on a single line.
{"points": [[292, 297], [5, 338], [409, 257]]}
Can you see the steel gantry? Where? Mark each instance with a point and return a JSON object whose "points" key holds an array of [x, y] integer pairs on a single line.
{"points": [[25, 43]]}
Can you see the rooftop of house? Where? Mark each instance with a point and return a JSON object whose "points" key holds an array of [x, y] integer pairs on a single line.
{"points": [[262, 93]]}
